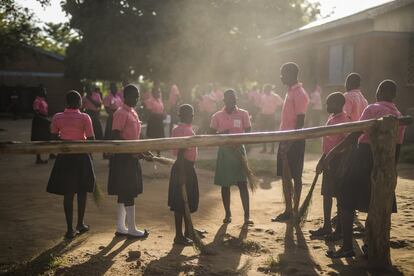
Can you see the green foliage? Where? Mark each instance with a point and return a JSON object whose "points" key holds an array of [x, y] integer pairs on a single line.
{"points": [[16, 28], [56, 37], [184, 41]]}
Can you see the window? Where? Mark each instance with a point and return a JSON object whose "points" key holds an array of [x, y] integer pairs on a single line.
{"points": [[341, 63], [410, 68]]}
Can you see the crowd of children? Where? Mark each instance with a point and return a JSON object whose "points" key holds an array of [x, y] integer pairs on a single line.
{"points": [[346, 173]]}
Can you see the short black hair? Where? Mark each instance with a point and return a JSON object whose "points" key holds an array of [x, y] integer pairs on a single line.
{"points": [[387, 90], [353, 81], [185, 110], [291, 67], [130, 89], [336, 98], [73, 99], [230, 92], [267, 87]]}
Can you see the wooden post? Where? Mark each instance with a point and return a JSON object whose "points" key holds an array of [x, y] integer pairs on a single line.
{"points": [[384, 180]]}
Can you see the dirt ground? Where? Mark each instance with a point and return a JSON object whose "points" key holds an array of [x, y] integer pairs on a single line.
{"points": [[32, 225]]}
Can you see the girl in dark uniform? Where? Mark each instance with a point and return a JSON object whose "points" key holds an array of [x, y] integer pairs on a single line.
{"points": [[40, 123], [72, 173]]}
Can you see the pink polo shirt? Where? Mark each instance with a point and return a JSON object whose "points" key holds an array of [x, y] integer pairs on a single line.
{"points": [[120, 94], [254, 97], [355, 103], [87, 104], [296, 103], [112, 102], [183, 130], [218, 95], [207, 104], [40, 105], [329, 142], [174, 94], [270, 103], [235, 122], [72, 125], [154, 105], [126, 120], [378, 110]]}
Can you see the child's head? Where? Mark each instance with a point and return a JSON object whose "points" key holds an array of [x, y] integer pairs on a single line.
{"points": [[335, 102], [353, 81], [73, 99], [289, 73], [386, 91], [230, 99], [267, 88], [131, 95], [186, 113], [113, 88]]}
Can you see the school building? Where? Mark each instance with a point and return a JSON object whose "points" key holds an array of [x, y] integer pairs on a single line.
{"points": [[26, 71], [378, 43]]}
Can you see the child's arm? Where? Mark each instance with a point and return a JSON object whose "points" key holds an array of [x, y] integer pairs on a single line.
{"points": [[320, 165], [348, 141]]}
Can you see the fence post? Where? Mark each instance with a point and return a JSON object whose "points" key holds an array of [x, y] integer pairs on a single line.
{"points": [[384, 180]]}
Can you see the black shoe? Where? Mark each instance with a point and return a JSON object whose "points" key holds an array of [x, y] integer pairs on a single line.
{"points": [[320, 232], [333, 237], [282, 217], [83, 228], [340, 254], [227, 220], [183, 241], [145, 235], [70, 234]]}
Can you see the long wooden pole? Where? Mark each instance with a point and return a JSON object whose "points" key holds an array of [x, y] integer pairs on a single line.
{"points": [[115, 146], [384, 181]]}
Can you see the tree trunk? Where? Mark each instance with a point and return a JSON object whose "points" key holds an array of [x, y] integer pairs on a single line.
{"points": [[384, 180]]}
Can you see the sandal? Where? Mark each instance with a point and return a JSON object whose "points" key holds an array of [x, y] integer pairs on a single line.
{"points": [[82, 228], [70, 235], [227, 220], [183, 241]]}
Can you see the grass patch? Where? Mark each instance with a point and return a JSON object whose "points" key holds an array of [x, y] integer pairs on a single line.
{"points": [[407, 154], [260, 167]]}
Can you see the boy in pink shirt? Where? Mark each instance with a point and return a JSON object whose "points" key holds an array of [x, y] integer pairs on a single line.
{"points": [[125, 175], [331, 175], [293, 117], [355, 102], [40, 123], [72, 173], [229, 167], [187, 157], [356, 190], [270, 104]]}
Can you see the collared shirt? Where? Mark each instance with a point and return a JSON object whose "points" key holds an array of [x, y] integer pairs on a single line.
{"points": [[296, 103], [88, 104], [355, 103], [174, 94], [378, 110], [113, 102], [72, 125], [183, 130], [329, 142], [154, 105], [270, 103], [315, 99], [126, 120], [207, 104], [236, 122], [40, 105]]}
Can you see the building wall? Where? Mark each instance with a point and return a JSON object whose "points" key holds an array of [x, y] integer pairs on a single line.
{"points": [[399, 20]]}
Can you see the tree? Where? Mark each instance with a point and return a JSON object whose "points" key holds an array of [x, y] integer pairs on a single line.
{"points": [[56, 37], [183, 41]]}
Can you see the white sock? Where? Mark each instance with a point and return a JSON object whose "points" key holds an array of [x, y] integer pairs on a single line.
{"points": [[132, 229], [120, 226]]}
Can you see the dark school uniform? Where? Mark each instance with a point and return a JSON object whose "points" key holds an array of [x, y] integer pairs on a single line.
{"points": [[40, 123], [112, 103], [72, 173], [125, 174], [175, 200], [155, 124], [355, 193]]}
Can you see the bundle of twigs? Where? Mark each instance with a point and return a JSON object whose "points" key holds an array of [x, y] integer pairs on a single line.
{"points": [[97, 195], [304, 208], [251, 177]]}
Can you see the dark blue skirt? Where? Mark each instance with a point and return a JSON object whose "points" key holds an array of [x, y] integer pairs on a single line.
{"points": [[295, 156], [125, 176], [72, 173]]}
